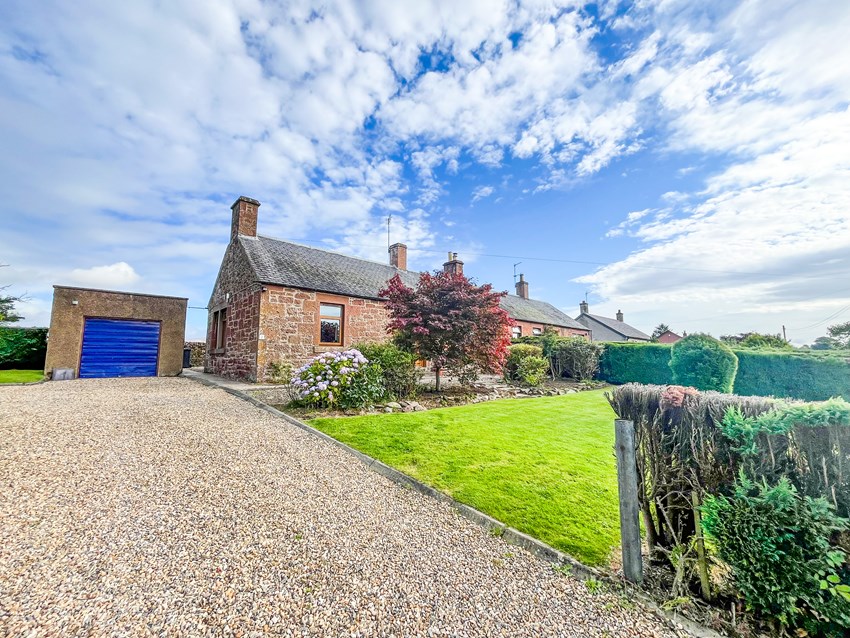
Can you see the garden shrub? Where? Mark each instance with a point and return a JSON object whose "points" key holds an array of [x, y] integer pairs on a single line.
{"points": [[702, 362], [339, 379], [532, 371], [400, 376], [519, 352], [778, 545], [572, 356], [22, 348], [636, 363]]}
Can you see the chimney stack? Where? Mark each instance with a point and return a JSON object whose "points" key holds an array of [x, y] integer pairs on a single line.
{"points": [[244, 218], [398, 256], [619, 315], [522, 287], [453, 266], [583, 307]]}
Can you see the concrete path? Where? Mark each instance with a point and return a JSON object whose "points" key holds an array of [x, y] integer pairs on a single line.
{"points": [[164, 507]]}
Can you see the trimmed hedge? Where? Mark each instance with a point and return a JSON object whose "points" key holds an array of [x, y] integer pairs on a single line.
{"points": [[647, 363], [797, 375], [22, 348], [702, 362], [803, 375]]}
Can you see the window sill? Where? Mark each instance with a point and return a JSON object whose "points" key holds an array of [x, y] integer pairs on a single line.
{"points": [[217, 351], [327, 347]]}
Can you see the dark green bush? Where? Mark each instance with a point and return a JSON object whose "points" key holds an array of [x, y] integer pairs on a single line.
{"points": [[704, 363], [799, 375], [572, 356], [367, 388], [22, 348], [636, 363], [778, 545], [397, 366]]}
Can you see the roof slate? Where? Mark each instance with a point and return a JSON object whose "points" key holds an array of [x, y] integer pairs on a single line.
{"points": [[620, 327], [536, 311], [287, 264]]}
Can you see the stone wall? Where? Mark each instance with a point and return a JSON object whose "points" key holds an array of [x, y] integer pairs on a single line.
{"points": [[528, 330], [236, 290], [71, 306], [289, 325]]}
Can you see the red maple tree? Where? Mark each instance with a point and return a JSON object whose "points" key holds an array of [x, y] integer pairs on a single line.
{"points": [[451, 322]]}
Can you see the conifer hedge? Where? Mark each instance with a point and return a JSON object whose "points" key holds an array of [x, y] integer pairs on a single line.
{"points": [[22, 348]]}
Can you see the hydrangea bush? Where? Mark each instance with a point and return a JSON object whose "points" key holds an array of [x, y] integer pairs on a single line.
{"points": [[338, 379]]}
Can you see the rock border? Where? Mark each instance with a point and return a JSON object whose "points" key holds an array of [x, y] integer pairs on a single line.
{"points": [[508, 534]]}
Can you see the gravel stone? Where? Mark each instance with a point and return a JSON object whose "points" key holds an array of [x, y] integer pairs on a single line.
{"points": [[161, 507]]}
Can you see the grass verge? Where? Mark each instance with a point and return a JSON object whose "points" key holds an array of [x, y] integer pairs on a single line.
{"points": [[544, 466], [20, 376]]}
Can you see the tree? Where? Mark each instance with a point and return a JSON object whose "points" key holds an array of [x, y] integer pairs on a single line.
{"points": [[703, 362], [840, 332], [756, 341], [451, 322], [7, 306], [660, 329], [825, 343]]}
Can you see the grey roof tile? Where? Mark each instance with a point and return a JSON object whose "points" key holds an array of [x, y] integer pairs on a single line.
{"points": [[620, 327], [536, 311], [288, 264]]}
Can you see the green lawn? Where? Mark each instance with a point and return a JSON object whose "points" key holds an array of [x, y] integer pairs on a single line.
{"points": [[20, 376], [544, 466]]}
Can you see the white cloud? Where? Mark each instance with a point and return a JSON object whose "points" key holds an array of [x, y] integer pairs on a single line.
{"points": [[480, 192], [111, 276]]}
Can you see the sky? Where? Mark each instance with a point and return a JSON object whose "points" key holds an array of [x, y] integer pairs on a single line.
{"points": [[684, 162]]}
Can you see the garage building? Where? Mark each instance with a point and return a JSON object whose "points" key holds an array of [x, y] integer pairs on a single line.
{"points": [[104, 333]]}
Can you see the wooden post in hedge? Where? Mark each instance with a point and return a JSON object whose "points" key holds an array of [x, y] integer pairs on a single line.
{"points": [[627, 483]]}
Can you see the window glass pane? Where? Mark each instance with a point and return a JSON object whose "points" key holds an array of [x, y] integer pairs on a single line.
{"points": [[330, 331], [327, 310]]}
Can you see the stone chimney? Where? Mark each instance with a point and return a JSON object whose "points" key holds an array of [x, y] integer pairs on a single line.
{"points": [[619, 315], [398, 256], [453, 266], [244, 218], [522, 287], [584, 308]]}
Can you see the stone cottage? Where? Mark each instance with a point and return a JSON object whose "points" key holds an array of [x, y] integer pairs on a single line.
{"points": [[278, 301]]}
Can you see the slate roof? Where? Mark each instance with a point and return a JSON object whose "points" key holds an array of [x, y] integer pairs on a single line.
{"points": [[536, 311], [620, 327], [287, 264]]}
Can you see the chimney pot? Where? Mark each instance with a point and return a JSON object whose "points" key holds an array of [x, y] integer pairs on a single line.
{"points": [[244, 220], [453, 266], [584, 308], [398, 256], [522, 287]]}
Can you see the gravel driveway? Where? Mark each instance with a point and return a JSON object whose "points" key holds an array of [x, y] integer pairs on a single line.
{"points": [[163, 507]]}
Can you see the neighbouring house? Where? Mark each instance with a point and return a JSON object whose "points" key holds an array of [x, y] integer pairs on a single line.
{"points": [[609, 329], [276, 301], [105, 333], [532, 316], [668, 336]]}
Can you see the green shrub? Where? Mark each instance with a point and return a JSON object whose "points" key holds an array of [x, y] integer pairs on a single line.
{"points": [[572, 356], [800, 375], [636, 363], [397, 365], [345, 379], [778, 545], [22, 348], [532, 371], [516, 353], [702, 362]]}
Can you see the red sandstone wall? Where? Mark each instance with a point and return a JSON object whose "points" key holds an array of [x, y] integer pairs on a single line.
{"points": [[289, 325], [528, 330], [236, 290]]}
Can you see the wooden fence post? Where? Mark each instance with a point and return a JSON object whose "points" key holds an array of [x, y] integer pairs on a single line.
{"points": [[624, 447]]}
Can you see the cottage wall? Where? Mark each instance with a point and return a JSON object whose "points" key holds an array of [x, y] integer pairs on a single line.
{"points": [[289, 325], [235, 290], [529, 326]]}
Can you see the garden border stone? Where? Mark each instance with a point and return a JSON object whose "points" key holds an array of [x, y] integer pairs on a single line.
{"points": [[508, 534]]}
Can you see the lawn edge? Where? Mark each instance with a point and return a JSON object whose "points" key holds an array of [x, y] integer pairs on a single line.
{"points": [[497, 528]]}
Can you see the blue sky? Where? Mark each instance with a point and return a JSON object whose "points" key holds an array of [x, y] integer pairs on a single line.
{"points": [[688, 165]]}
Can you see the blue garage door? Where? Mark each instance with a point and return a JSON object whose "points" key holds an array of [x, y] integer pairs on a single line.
{"points": [[119, 348]]}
